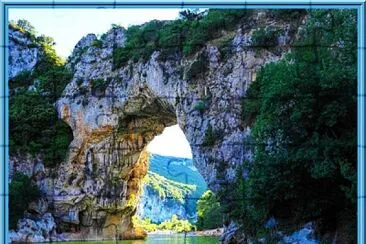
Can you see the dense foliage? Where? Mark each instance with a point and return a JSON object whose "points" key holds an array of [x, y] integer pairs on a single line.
{"points": [[187, 34], [302, 111], [174, 224], [34, 126], [21, 192], [265, 37], [209, 212]]}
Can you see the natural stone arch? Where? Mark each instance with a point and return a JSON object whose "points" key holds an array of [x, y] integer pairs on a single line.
{"points": [[154, 95], [107, 160]]}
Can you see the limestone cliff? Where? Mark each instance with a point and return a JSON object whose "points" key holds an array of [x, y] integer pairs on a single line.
{"points": [[113, 124], [23, 54], [114, 112]]}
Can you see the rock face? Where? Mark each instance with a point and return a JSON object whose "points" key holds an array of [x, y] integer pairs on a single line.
{"points": [[23, 54], [35, 228], [42, 228], [94, 192], [306, 235], [152, 206]]}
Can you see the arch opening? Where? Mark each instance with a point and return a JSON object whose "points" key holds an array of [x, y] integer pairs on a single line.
{"points": [[172, 185]]}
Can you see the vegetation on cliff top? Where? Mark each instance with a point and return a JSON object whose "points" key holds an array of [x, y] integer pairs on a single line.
{"points": [[168, 188], [186, 35], [303, 114], [34, 126]]}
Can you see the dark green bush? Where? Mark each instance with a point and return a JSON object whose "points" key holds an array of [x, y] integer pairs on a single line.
{"points": [[22, 191], [287, 14], [200, 106], [79, 82], [198, 67], [98, 86], [58, 143], [97, 43], [22, 80], [225, 49], [212, 136], [120, 57], [265, 37], [35, 128], [203, 104], [209, 27]]}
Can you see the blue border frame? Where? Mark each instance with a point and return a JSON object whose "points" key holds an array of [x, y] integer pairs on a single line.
{"points": [[361, 120], [361, 167]]}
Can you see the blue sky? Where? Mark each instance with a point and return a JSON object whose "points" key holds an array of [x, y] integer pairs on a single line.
{"points": [[68, 26]]}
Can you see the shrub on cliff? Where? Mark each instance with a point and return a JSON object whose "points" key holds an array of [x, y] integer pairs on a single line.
{"points": [[265, 37], [23, 26], [212, 136], [22, 191]]}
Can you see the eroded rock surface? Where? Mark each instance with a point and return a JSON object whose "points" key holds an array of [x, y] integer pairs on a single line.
{"points": [[23, 54], [113, 124]]}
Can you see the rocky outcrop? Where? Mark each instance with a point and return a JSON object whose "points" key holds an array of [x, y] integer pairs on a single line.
{"points": [[38, 225], [152, 206], [40, 230], [23, 52], [306, 235]]}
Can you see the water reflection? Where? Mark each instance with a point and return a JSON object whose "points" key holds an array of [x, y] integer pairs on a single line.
{"points": [[155, 239]]}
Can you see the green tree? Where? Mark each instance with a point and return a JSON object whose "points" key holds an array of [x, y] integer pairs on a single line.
{"points": [[26, 26], [209, 212], [34, 125], [176, 225], [189, 14], [303, 114]]}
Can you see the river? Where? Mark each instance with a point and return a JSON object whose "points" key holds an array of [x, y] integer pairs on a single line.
{"points": [[165, 239]]}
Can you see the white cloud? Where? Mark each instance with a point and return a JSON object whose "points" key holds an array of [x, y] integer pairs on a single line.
{"points": [[172, 142]]}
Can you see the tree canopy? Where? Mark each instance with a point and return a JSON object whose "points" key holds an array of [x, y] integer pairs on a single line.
{"points": [[303, 115]]}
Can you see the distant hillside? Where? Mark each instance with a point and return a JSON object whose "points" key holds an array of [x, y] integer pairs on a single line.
{"points": [[166, 188], [162, 198], [172, 187], [180, 170]]}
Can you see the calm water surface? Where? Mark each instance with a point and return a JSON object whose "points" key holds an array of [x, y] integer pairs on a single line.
{"points": [[165, 239]]}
